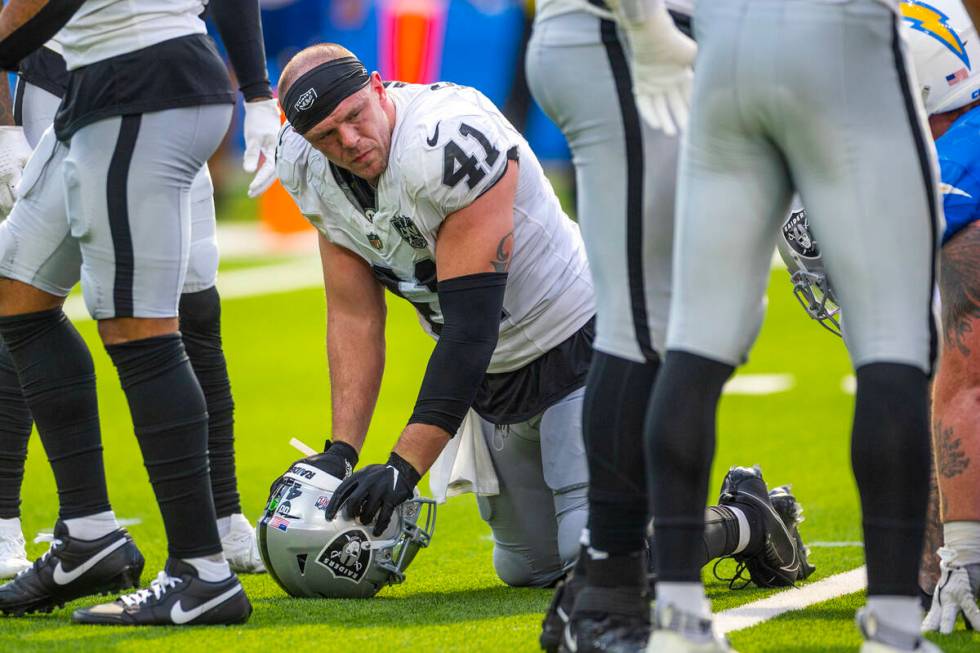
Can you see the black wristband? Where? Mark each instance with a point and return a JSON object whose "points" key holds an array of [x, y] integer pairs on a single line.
{"points": [[348, 452], [405, 469]]}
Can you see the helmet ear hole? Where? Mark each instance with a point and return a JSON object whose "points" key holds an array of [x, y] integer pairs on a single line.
{"points": [[301, 562]]}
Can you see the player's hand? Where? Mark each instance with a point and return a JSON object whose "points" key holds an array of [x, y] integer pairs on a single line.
{"points": [[14, 153], [261, 130], [375, 491], [662, 71], [953, 594], [338, 459]]}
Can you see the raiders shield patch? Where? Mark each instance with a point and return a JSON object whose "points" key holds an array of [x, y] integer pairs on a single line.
{"points": [[306, 100], [796, 230], [409, 232], [347, 556]]}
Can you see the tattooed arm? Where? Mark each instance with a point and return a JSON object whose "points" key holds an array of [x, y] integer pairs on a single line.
{"points": [[956, 391]]}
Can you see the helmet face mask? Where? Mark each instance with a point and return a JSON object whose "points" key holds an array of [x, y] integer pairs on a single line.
{"points": [[309, 556], [811, 287]]}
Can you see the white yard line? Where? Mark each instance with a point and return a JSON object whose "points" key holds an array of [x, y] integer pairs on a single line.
{"points": [[759, 384], [757, 612], [302, 273], [834, 545], [848, 385]]}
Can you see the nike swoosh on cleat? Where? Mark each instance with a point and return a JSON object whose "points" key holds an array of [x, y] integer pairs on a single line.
{"points": [[435, 137], [62, 577], [179, 616]]}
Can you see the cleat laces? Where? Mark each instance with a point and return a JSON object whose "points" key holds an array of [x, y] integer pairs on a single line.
{"points": [[158, 587]]}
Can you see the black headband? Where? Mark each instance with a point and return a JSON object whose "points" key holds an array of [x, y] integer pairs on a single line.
{"points": [[316, 93]]}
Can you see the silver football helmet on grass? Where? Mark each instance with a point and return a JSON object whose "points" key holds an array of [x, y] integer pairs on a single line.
{"points": [[812, 288], [309, 556]]}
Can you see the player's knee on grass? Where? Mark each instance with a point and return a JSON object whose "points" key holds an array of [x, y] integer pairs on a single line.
{"points": [[519, 568]]}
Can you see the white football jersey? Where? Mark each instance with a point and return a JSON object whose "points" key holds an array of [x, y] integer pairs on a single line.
{"points": [[547, 8], [450, 144], [101, 29]]}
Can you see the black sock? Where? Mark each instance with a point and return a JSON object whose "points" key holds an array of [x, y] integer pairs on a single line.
{"points": [[891, 457], [200, 328], [721, 533], [170, 419], [680, 439], [58, 380], [616, 396], [15, 431]]}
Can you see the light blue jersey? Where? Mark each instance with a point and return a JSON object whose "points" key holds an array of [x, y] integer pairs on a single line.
{"points": [[959, 162]]}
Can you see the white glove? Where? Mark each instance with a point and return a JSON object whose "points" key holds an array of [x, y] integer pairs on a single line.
{"points": [[953, 594], [662, 65], [14, 154], [261, 130]]}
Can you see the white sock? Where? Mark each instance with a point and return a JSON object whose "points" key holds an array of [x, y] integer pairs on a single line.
{"points": [[92, 527], [210, 569], [686, 597], [10, 526], [903, 613], [964, 538], [743, 529], [224, 526]]}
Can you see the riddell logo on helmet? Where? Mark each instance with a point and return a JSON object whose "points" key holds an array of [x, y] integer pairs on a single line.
{"points": [[347, 556]]}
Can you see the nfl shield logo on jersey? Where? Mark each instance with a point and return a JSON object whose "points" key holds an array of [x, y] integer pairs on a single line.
{"points": [[347, 556], [306, 100], [375, 241], [407, 230]]}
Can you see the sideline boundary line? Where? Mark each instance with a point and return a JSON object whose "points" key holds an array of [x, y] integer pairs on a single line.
{"points": [[790, 600]]}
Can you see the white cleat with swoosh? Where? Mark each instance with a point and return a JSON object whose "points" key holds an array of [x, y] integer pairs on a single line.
{"points": [[73, 568], [177, 597]]}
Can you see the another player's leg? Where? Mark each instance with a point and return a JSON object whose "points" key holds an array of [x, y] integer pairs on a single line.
{"points": [[956, 429], [15, 430], [200, 328], [133, 204], [89, 552], [733, 188], [865, 169]]}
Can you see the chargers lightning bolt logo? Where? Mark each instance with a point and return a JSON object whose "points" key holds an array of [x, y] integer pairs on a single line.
{"points": [[927, 19]]}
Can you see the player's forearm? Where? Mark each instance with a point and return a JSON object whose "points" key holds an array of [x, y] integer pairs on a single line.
{"points": [[6, 105], [356, 356], [26, 25], [421, 444], [973, 7], [239, 23]]}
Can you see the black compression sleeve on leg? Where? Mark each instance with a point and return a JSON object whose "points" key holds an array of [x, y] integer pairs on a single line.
{"points": [[170, 419], [616, 395], [471, 308], [680, 439], [200, 329], [58, 380], [890, 455], [15, 431]]}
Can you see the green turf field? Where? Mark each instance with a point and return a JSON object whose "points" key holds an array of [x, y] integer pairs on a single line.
{"points": [[452, 601]]}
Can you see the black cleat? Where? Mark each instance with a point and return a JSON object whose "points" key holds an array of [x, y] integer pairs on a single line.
{"points": [[73, 568], [612, 620], [779, 561], [559, 610], [176, 597], [791, 512]]}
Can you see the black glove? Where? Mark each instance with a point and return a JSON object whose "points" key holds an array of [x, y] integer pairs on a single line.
{"points": [[375, 490], [338, 459]]}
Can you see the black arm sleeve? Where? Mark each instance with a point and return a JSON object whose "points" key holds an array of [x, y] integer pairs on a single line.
{"points": [[471, 308], [239, 23], [36, 31]]}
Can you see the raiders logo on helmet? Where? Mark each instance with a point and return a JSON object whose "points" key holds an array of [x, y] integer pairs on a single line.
{"points": [[409, 232], [796, 230], [347, 556], [306, 100]]}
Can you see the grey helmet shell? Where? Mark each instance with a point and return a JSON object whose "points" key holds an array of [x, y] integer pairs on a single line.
{"points": [[309, 556]]}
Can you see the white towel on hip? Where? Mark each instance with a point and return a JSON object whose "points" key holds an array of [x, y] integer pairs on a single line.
{"points": [[465, 464]]}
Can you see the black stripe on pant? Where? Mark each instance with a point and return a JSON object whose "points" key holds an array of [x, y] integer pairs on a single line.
{"points": [[925, 163], [117, 205], [633, 134]]}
